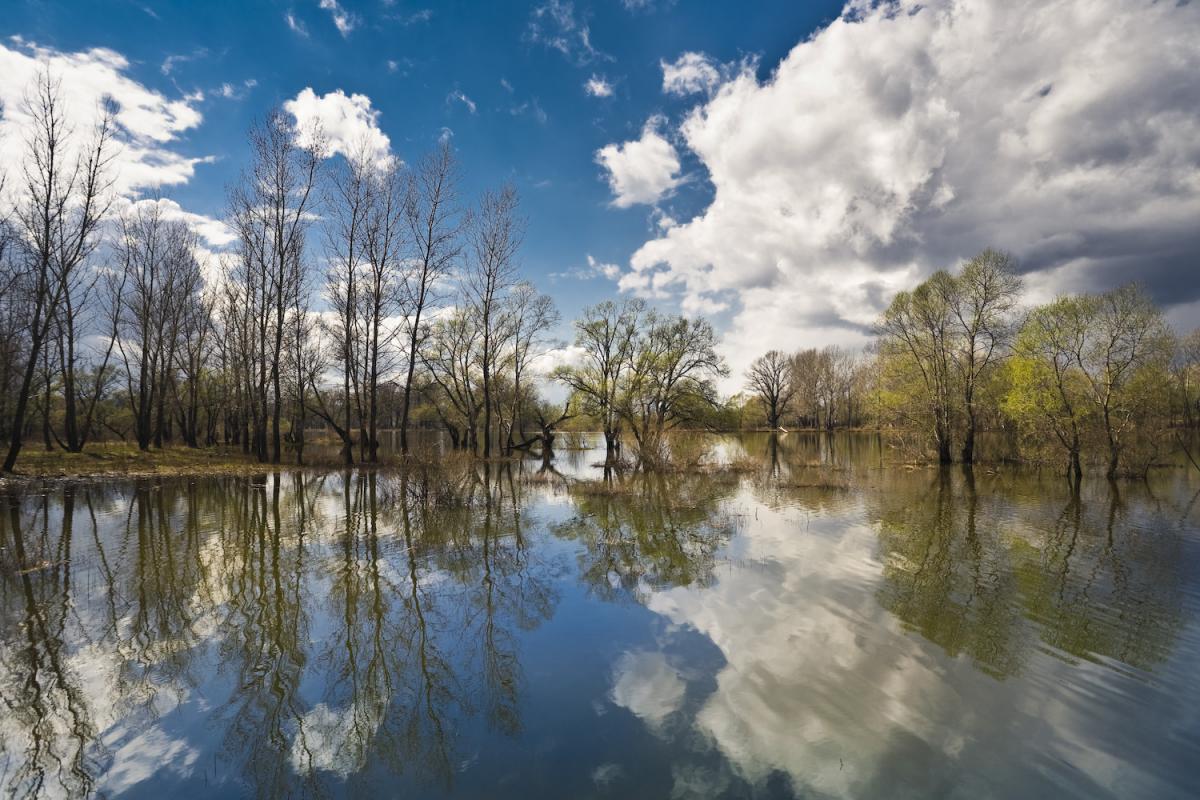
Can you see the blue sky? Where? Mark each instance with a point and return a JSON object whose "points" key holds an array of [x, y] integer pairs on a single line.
{"points": [[781, 167], [533, 123]]}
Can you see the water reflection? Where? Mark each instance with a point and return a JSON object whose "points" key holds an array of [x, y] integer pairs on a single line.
{"points": [[800, 623], [646, 532]]}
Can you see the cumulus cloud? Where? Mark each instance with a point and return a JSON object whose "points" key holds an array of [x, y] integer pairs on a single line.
{"points": [[907, 136], [597, 86], [643, 170], [148, 123], [348, 122], [689, 74], [648, 686], [215, 233]]}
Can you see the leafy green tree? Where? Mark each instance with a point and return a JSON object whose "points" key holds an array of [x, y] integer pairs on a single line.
{"points": [[606, 336], [672, 368], [1048, 392]]}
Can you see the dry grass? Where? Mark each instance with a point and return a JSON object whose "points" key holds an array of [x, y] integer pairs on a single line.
{"points": [[110, 459]]}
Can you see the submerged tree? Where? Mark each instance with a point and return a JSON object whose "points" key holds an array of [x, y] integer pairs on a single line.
{"points": [[606, 335], [271, 210], [672, 368], [435, 221], [495, 235], [1047, 391], [981, 302], [770, 377], [1124, 358], [916, 331]]}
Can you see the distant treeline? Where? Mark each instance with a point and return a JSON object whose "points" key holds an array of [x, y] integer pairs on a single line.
{"points": [[358, 294], [361, 294], [1090, 378]]}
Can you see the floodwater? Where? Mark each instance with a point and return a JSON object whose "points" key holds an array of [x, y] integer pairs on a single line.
{"points": [[815, 623]]}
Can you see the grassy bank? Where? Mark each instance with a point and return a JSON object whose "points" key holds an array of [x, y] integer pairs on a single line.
{"points": [[118, 459], [114, 459]]}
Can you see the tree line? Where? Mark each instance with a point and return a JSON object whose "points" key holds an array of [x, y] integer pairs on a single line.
{"points": [[1094, 377], [360, 293], [363, 294]]}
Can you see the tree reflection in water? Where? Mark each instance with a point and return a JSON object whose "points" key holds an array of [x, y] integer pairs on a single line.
{"points": [[646, 532], [307, 634], [399, 597], [1100, 579]]}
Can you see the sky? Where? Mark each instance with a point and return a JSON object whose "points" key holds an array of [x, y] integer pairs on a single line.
{"points": [[780, 167]]}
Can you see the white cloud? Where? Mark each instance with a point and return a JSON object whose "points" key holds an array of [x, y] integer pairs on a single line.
{"points": [[610, 271], [214, 232], [170, 62], [906, 136], [648, 686], [297, 26], [689, 74], [343, 19], [555, 25], [594, 269], [532, 107], [458, 96], [643, 170], [148, 122], [348, 122], [415, 18], [597, 86]]}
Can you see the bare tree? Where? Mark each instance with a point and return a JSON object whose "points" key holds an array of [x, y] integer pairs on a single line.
{"points": [[434, 221], [350, 208], [271, 210], [770, 378], [159, 281], [450, 355], [529, 316], [64, 199], [386, 244], [495, 237]]}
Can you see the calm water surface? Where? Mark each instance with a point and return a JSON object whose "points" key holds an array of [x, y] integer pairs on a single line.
{"points": [[808, 625]]}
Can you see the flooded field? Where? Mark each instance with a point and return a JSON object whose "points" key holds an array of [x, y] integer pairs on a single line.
{"points": [[807, 620]]}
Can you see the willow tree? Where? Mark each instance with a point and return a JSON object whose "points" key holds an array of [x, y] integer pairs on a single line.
{"points": [[981, 300], [1097, 364], [954, 329], [1124, 359], [673, 366], [605, 335], [1047, 391], [917, 328]]}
